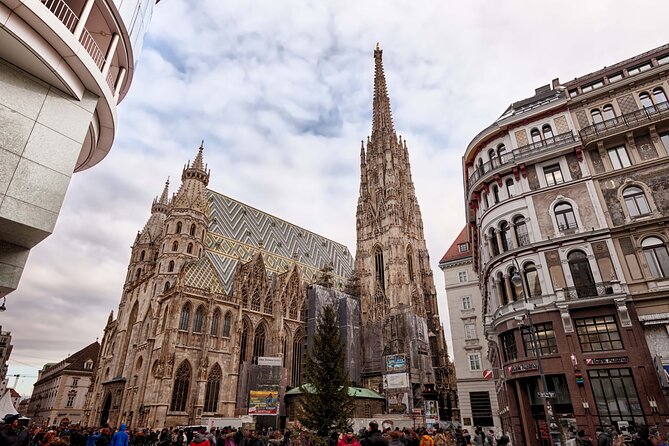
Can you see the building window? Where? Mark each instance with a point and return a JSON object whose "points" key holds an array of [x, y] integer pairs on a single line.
{"points": [[410, 262], [619, 157], [636, 202], [565, 217], [616, 396], [141, 255], [532, 282], [212, 389], [596, 116], [639, 68], [484, 199], [596, 334], [474, 361], [88, 365], [646, 101], [663, 59], [665, 140], [520, 226], [609, 112], [481, 409], [184, 321], [175, 246], [581, 273], [180, 390], [192, 229], [470, 331], [296, 369], [189, 249], [509, 350], [544, 336], [615, 77], [492, 155], [214, 323], [70, 399], [505, 235], [467, 303], [495, 194], [462, 276], [259, 341], [178, 231], [227, 321], [243, 343], [492, 238], [535, 135], [659, 96], [657, 257], [255, 300], [501, 287], [199, 320], [509, 187], [170, 266], [553, 175], [500, 151], [463, 247], [547, 132], [379, 268], [75, 381]]}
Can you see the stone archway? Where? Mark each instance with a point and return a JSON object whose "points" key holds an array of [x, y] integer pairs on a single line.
{"points": [[106, 408]]}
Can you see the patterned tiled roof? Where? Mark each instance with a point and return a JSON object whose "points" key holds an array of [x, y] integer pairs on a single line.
{"points": [[238, 231]]}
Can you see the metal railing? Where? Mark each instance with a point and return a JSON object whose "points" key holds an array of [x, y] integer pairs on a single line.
{"points": [[91, 46], [589, 290], [627, 120], [63, 12], [521, 152]]}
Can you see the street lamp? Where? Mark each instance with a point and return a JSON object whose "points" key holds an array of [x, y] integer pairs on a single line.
{"points": [[518, 282]]}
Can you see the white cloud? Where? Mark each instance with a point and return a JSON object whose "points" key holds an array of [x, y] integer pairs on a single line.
{"points": [[281, 92]]}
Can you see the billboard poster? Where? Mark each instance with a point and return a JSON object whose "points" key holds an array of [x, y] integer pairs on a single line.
{"points": [[398, 401], [396, 381], [396, 363], [264, 402], [431, 412], [264, 384]]}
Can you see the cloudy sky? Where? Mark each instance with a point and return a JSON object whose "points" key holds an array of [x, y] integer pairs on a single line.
{"points": [[281, 93]]}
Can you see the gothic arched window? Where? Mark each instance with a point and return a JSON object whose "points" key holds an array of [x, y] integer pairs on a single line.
{"points": [[141, 255], [296, 370], [304, 312], [259, 341], [245, 296], [175, 246], [184, 321], [213, 389], [227, 321], [170, 266], [255, 300], [410, 263], [189, 249], [199, 320], [167, 287], [192, 229], [178, 231], [268, 306], [293, 309], [379, 267], [214, 322], [244, 341], [180, 390]]}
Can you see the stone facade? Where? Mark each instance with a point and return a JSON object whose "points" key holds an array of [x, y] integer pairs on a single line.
{"points": [[579, 219], [392, 266]]}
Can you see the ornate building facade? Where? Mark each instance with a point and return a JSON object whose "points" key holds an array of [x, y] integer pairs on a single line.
{"points": [[392, 266], [213, 284], [567, 210]]}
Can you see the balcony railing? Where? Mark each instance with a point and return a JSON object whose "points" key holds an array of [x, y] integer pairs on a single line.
{"points": [[589, 290], [92, 48], [521, 152], [628, 120], [63, 12]]}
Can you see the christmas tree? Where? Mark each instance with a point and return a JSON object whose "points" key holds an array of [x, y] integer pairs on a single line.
{"points": [[326, 404]]}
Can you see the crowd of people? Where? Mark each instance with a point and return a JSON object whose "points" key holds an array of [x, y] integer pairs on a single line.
{"points": [[14, 433]]}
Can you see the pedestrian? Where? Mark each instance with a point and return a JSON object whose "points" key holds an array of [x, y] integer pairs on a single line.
{"points": [[199, 439], [605, 437], [333, 439], [121, 437], [105, 437], [373, 436], [212, 436], [582, 439], [426, 440], [440, 438], [12, 433], [348, 440], [503, 440]]}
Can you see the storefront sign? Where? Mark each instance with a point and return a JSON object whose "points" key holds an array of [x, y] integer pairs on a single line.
{"points": [[276, 361], [603, 361], [546, 394], [522, 367]]}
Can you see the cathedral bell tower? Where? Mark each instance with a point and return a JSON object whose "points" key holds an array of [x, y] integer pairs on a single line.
{"points": [[186, 222], [397, 293]]}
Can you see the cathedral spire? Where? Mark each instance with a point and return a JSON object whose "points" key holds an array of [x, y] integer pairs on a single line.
{"points": [[160, 203], [382, 118], [164, 196]]}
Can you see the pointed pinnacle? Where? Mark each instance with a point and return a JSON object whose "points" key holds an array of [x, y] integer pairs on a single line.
{"points": [[165, 194], [382, 119], [197, 162]]}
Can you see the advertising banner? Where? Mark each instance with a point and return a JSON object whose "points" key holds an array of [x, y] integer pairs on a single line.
{"points": [[431, 412], [396, 381], [396, 363], [264, 402], [398, 401]]}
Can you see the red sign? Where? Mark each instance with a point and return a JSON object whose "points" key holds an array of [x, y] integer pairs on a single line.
{"points": [[487, 374]]}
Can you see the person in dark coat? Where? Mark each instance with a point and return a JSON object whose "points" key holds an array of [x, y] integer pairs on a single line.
{"points": [[374, 436], [12, 434]]}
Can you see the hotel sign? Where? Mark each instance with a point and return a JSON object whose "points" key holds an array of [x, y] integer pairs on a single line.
{"points": [[522, 367], [605, 361]]}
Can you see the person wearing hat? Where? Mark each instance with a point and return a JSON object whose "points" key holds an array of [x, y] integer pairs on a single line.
{"points": [[12, 434]]}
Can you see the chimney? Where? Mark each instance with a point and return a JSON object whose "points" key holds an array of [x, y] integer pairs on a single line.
{"points": [[555, 83]]}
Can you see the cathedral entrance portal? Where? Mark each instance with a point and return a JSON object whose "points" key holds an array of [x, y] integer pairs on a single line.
{"points": [[106, 407]]}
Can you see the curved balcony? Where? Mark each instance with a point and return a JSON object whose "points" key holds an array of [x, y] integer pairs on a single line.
{"points": [[625, 122], [519, 154]]}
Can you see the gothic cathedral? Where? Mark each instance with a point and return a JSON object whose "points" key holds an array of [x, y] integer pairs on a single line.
{"points": [[213, 284]]}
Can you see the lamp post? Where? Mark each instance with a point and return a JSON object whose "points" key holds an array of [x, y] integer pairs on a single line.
{"points": [[518, 281]]}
